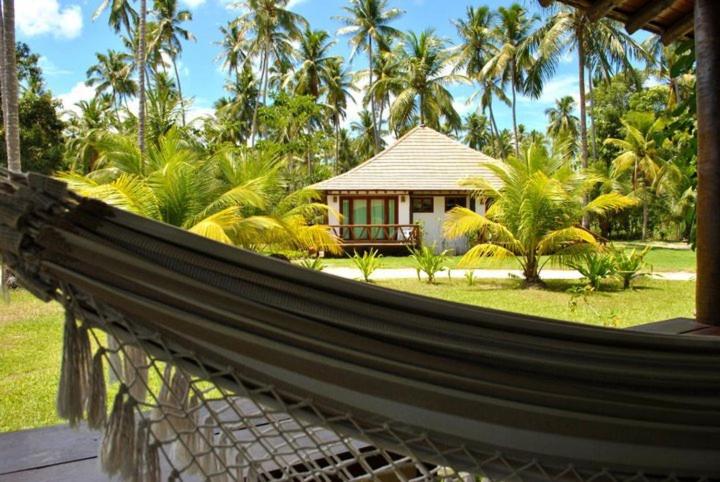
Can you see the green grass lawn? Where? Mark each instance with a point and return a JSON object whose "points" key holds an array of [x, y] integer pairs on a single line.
{"points": [[659, 259], [31, 331]]}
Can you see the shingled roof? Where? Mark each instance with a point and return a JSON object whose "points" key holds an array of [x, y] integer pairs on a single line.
{"points": [[421, 160]]}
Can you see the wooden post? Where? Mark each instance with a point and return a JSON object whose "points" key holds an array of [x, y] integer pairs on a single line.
{"points": [[707, 46]]}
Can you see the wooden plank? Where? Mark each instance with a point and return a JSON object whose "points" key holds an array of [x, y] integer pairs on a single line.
{"points": [[45, 447], [645, 14], [675, 326], [679, 29], [600, 8]]}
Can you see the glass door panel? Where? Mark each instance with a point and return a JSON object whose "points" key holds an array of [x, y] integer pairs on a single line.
{"points": [[391, 208], [360, 216], [377, 216], [346, 217]]}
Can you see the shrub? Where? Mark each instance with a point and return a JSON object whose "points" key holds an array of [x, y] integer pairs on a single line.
{"points": [[595, 266], [428, 262], [629, 265], [367, 263], [312, 263], [470, 277]]}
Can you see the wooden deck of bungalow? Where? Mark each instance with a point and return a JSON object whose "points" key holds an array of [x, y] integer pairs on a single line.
{"points": [[377, 235], [62, 454]]}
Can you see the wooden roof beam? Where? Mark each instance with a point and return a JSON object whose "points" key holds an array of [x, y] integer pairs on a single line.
{"points": [[600, 8], [645, 14], [680, 28]]}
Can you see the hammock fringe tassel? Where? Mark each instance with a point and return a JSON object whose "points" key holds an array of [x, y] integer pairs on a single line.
{"points": [[75, 371], [117, 452], [97, 398]]}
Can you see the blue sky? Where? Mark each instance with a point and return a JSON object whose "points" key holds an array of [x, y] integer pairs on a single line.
{"points": [[66, 37]]}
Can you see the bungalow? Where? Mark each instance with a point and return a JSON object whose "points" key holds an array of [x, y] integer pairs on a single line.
{"points": [[400, 196]]}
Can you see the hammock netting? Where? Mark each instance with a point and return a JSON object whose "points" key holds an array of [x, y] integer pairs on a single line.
{"points": [[203, 361]]}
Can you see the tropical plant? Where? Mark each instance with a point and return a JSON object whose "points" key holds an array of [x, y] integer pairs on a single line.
{"points": [[367, 23], [629, 264], [422, 84], [639, 156], [314, 63], [602, 44], [111, 74], [269, 28], [429, 262], [470, 277], [534, 213], [364, 136], [478, 132], [339, 85], [594, 266], [367, 263], [512, 60], [234, 197], [315, 263], [562, 123], [170, 34]]}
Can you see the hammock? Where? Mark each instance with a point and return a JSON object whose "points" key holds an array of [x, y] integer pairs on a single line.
{"points": [[235, 366]]}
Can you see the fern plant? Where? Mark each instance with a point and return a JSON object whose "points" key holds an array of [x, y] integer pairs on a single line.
{"points": [[429, 262], [629, 265], [367, 263]]}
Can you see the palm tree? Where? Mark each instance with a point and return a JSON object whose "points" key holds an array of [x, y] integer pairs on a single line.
{"points": [[639, 155], [269, 28], [233, 46], [422, 81], [604, 41], [314, 60], [233, 115], [141, 62], [11, 114], [534, 214], [367, 24], [562, 123], [111, 74], [84, 131], [364, 134], [122, 14], [234, 197], [478, 132], [512, 58], [338, 92], [170, 34], [386, 71]]}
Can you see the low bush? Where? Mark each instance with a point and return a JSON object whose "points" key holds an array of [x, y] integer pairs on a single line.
{"points": [[629, 265]]}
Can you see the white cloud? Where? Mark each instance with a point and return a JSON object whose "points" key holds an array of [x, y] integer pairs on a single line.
{"points": [[193, 3], [38, 17], [79, 92], [50, 69], [294, 3], [463, 107]]}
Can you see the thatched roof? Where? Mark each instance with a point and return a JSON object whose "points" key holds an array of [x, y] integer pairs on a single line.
{"points": [[421, 160]]}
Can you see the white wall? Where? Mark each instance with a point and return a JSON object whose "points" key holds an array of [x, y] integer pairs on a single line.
{"points": [[403, 209], [333, 202]]}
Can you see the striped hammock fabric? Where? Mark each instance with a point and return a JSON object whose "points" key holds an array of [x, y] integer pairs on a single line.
{"points": [[220, 364]]}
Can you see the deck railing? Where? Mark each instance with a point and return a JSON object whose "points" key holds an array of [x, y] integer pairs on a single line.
{"points": [[377, 234]]}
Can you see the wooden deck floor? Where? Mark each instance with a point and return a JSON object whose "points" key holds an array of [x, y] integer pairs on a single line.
{"points": [[61, 454]]}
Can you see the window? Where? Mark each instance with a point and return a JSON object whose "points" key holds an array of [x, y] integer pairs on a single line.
{"points": [[422, 204], [456, 201]]}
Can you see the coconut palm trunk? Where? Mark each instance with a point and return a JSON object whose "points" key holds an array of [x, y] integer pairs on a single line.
{"points": [[514, 112], [141, 77], [263, 93], [10, 89], [583, 114], [180, 95], [376, 137], [3, 73]]}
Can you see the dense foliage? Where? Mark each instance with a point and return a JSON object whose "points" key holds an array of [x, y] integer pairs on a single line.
{"points": [[630, 132]]}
